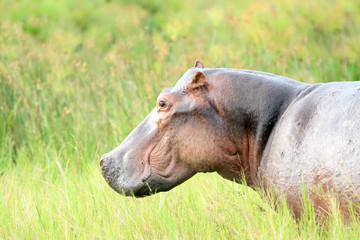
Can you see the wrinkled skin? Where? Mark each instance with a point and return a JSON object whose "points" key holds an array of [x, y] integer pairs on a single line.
{"points": [[271, 131]]}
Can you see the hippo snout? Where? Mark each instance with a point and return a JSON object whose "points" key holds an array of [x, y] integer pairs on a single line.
{"points": [[123, 172]]}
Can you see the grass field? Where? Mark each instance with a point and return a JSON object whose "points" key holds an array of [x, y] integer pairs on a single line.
{"points": [[77, 76]]}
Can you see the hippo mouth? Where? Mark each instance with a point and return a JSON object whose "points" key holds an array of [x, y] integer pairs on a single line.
{"points": [[152, 186], [146, 186], [116, 182]]}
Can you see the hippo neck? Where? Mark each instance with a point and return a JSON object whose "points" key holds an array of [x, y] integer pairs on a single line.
{"points": [[251, 102]]}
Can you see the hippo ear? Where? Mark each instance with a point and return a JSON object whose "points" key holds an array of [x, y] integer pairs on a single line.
{"points": [[199, 64], [197, 81]]}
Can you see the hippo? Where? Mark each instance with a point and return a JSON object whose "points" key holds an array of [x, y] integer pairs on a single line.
{"points": [[270, 131]]}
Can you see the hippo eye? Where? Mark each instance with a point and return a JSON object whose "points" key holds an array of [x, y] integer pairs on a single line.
{"points": [[162, 104]]}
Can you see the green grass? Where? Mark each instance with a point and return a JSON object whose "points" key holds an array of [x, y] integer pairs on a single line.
{"points": [[77, 76]]}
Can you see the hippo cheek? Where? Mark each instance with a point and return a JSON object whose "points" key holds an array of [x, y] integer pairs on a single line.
{"points": [[126, 175]]}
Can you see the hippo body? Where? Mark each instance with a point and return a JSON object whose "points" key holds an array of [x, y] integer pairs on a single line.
{"points": [[316, 144], [270, 130]]}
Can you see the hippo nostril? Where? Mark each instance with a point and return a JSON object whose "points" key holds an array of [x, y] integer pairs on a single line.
{"points": [[102, 161]]}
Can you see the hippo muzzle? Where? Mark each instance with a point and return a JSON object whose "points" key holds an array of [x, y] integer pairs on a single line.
{"points": [[122, 175]]}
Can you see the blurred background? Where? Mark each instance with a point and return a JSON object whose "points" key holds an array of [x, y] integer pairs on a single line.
{"points": [[77, 76]]}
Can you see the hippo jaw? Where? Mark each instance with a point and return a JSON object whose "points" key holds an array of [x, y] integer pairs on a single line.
{"points": [[132, 176], [141, 182]]}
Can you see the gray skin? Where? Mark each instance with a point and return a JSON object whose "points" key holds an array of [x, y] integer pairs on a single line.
{"points": [[272, 131]]}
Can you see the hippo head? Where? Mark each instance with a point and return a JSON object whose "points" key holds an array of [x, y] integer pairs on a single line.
{"points": [[184, 134]]}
